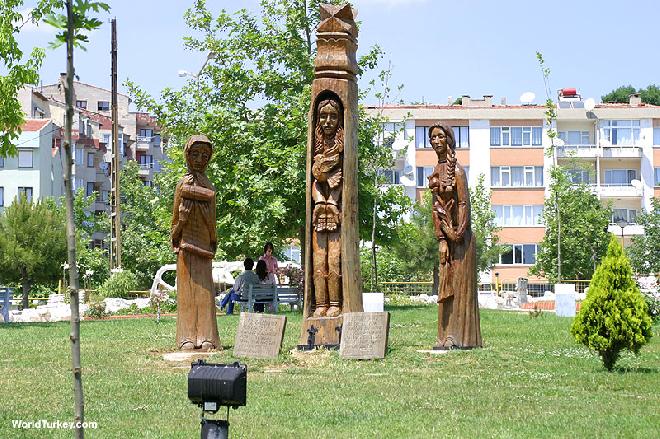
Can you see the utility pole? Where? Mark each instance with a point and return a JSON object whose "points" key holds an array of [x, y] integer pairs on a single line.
{"points": [[115, 212]]}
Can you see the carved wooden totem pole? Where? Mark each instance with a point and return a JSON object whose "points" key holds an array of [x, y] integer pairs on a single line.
{"points": [[194, 240], [332, 269]]}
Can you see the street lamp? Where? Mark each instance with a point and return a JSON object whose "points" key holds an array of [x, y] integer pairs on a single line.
{"points": [[622, 223]]}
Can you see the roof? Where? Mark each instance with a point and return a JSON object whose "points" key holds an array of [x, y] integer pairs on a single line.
{"points": [[34, 124], [105, 123]]}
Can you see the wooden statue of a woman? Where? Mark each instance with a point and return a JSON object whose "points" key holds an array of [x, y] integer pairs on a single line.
{"points": [[194, 240], [326, 193], [458, 308]]}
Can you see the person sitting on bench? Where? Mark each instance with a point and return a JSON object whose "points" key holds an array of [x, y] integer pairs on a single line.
{"points": [[241, 285]]}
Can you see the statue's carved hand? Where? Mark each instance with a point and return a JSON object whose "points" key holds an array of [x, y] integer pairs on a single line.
{"points": [[444, 252]]}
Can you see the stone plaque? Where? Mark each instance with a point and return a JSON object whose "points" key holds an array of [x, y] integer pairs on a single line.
{"points": [[364, 335], [259, 335]]}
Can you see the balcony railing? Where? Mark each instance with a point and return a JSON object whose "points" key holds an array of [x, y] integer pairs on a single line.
{"points": [[581, 150], [629, 230], [615, 190], [617, 151]]}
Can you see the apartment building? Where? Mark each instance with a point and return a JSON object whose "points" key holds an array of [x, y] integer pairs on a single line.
{"points": [[615, 148], [36, 171], [140, 138]]}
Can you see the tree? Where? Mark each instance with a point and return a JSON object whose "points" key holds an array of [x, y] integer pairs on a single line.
{"points": [[417, 245], [23, 258], [19, 72], [584, 235], [251, 99], [644, 252], [73, 26], [649, 95], [145, 227], [614, 316], [484, 227]]}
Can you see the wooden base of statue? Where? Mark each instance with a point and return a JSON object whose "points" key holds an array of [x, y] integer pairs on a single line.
{"points": [[320, 332]]}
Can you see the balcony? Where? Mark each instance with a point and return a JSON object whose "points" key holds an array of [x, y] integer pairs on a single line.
{"points": [[143, 143], [582, 151], [629, 230], [145, 169], [621, 152], [617, 190]]}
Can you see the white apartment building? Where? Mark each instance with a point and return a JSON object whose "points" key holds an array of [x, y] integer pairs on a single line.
{"points": [[36, 171], [613, 147]]}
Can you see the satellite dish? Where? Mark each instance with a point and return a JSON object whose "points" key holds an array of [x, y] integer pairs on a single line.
{"points": [[527, 98], [636, 183], [589, 104], [407, 169], [559, 142], [605, 143]]}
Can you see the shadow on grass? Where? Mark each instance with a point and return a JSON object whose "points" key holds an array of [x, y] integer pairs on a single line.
{"points": [[13, 326], [621, 370], [405, 307]]}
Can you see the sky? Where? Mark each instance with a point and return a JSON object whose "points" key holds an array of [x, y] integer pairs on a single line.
{"points": [[437, 48]]}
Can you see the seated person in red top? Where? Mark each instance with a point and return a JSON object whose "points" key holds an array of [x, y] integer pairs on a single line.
{"points": [[271, 262]]}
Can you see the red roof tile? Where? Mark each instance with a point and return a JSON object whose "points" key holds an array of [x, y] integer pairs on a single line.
{"points": [[34, 124]]}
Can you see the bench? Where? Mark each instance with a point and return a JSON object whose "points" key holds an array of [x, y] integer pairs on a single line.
{"points": [[271, 295]]}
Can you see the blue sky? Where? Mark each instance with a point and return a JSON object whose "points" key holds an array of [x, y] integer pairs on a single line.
{"points": [[438, 48]]}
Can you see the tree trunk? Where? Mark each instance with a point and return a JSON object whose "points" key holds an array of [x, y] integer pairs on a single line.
{"points": [[74, 336], [26, 285]]}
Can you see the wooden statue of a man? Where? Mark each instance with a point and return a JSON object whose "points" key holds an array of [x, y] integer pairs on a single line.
{"points": [[194, 240]]}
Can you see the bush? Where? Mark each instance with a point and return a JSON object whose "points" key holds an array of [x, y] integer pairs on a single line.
{"points": [[96, 310], [119, 285], [614, 315]]}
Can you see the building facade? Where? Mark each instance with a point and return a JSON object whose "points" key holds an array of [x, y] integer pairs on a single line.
{"points": [[615, 148], [36, 171]]}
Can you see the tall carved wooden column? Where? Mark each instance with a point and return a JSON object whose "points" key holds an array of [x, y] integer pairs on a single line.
{"points": [[333, 284]]}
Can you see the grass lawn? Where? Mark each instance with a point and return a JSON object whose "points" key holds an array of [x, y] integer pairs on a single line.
{"points": [[529, 380]]}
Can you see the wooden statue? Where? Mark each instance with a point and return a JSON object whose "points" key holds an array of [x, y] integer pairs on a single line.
{"points": [[194, 240], [458, 308], [332, 269]]}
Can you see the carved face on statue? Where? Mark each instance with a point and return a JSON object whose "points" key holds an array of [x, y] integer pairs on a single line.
{"points": [[438, 141], [198, 156], [329, 119]]}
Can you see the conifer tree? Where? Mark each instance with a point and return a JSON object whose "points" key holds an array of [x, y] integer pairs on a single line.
{"points": [[613, 317]]}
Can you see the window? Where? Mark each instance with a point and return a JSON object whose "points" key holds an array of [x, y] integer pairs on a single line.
{"points": [[77, 183], [619, 177], [422, 137], [79, 156], [81, 104], [25, 192], [146, 132], [574, 137], [90, 159], [513, 216], [657, 176], [2, 162], [656, 136], [627, 215], [90, 189], [467, 172], [578, 176], [390, 176], [516, 176], [148, 183], [622, 132], [516, 136], [106, 138], [423, 173], [104, 106], [24, 159], [391, 130], [517, 254], [462, 136], [2, 196], [146, 161]]}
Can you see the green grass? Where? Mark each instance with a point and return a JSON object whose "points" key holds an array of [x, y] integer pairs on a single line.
{"points": [[529, 380]]}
